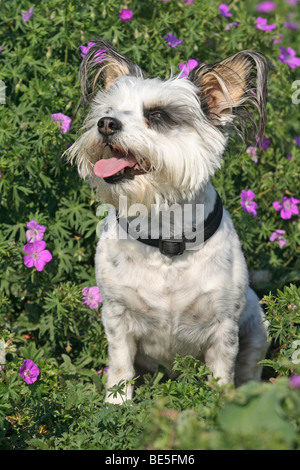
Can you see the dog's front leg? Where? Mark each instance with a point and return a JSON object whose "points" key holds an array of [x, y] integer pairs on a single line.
{"points": [[121, 350], [220, 355]]}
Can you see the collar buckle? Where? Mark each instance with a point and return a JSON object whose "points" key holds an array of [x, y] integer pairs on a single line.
{"points": [[171, 247]]}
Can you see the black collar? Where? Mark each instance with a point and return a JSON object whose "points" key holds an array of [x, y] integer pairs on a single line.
{"points": [[172, 247]]}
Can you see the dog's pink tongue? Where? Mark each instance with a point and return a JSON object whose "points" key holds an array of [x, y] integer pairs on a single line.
{"points": [[110, 166]]}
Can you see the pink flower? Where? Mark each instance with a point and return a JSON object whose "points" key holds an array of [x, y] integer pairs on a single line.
{"points": [[252, 151], [36, 255], [189, 2], [292, 26], [85, 49], [288, 56], [187, 67], [265, 7], [231, 25], [91, 297], [63, 121], [26, 15], [287, 207], [265, 143], [99, 55], [294, 381], [126, 15], [247, 203], [224, 10], [172, 40], [262, 24], [297, 140], [278, 38], [36, 231], [102, 371], [277, 235], [29, 371]]}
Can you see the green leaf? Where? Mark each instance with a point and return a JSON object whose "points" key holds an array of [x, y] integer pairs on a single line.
{"points": [[258, 410]]}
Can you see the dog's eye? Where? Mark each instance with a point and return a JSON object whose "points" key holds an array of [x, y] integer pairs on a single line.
{"points": [[154, 115], [159, 119]]}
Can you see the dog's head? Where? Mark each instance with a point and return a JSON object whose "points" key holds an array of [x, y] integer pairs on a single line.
{"points": [[155, 140]]}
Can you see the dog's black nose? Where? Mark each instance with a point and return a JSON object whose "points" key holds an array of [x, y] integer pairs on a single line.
{"points": [[109, 125]]}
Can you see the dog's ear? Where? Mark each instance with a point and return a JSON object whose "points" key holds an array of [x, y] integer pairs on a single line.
{"points": [[101, 66], [229, 87]]}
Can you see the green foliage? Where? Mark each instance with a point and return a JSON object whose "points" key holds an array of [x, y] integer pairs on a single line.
{"points": [[42, 315], [283, 313], [256, 417]]}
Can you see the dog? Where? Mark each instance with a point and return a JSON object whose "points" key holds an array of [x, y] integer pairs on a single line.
{"points": [[158, 142]]}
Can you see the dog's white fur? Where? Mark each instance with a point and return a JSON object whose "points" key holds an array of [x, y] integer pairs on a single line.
{"points": [[198, 303]]}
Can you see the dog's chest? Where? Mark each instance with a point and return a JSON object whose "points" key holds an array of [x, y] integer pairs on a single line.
{"points": [[156, 296]]}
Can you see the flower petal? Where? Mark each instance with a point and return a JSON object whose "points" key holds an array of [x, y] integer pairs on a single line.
{"points": [[28, 261], [46, 256], [285, 213], [277, 206], [39, 245], [85, 291]]}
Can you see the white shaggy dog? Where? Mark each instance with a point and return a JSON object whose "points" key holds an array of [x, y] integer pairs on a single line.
{"points": [[156, 143]]}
